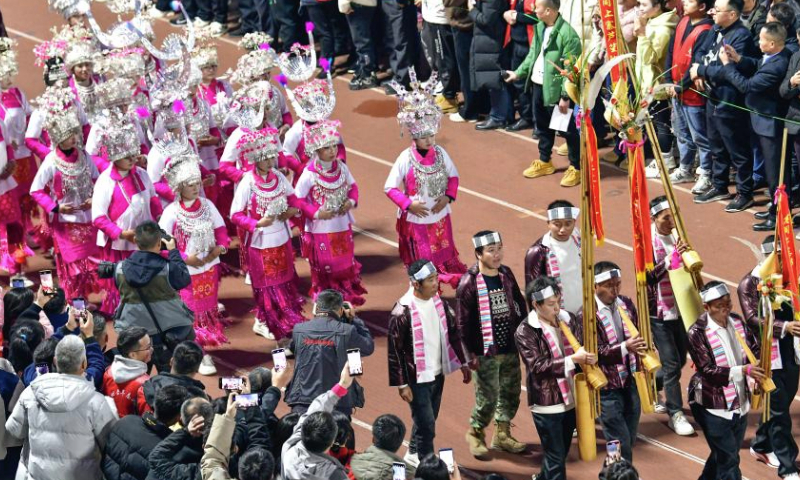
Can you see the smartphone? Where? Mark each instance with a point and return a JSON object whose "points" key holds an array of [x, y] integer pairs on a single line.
{"points": [[446, 455], [231, 383], [613, 449], [279, 358], [247, 400], [354, 358], [42, 368], [398, 471], [17, 283], [46, 279], [79, 304]]}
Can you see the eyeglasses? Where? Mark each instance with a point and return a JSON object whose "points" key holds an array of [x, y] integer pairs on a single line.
{"points": [[149, 347]]}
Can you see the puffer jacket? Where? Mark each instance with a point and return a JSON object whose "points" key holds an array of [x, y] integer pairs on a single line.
{"points": [[651, 50], [792, 94], [146, 397], [376, 464], [177, 457], [129, 445], [66, 424]]}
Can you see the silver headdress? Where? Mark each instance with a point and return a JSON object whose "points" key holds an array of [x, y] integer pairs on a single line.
{"points": [[204, 53], [80, 52], [253, 66], [299, 63], [172, 82], [257, 146], [114, 93], [125, 63], [121, 140], [251, 104], [123, 34], [173, 45], [61, 117], [255, 40], [69, 8], [8, 58], [182, 170], [313, 100], [170, 133], [418, 112], [324, 133]]}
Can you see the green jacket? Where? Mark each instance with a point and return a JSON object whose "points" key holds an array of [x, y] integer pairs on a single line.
{"points": [[564, 42]]}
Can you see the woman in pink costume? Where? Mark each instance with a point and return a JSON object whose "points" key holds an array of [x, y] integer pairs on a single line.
{"points": [[262, 205], [422, 183], [123, 198], [200, 233], [331, 192], [63, 187]]}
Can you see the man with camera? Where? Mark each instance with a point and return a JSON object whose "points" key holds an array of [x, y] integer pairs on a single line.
{"points": [[320, 347], [148, 286]]}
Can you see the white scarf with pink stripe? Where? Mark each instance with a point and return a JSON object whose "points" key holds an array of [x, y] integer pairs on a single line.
{"points": [[665, 299], [553, 269], [607, 322], [451, 362], [552, 343], [720, 358]]}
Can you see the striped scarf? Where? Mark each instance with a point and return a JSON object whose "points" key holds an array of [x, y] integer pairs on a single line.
{"points": [[552, 343], [553, 270], [665, 298], [611, 334], [721, 360], [423, 375], [485, 311]]}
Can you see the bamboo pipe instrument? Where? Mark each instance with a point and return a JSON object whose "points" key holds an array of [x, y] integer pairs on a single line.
{"points": [[594, 375]]}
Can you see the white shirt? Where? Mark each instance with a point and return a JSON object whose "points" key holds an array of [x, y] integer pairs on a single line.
{"points": [[397, 179], [569, 365], [433, 12], [616, 322], [733, 352], [568, 255], [272, 236], [44, 178], [431, 333], [537, 73]]}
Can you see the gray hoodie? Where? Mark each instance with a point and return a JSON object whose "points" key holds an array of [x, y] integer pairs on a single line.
{"points": [[64, 422], [297, 463]]}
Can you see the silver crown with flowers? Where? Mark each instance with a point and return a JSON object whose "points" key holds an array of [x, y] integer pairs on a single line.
{"points": [[255, 41], [120, 139], [252, 66], [299, 63], [165, 138], [258, 145], [114, 93], [125, 63], [60, 115], [313, 100], [182, 170], [324, 133], [418, 112], [80, 52], [69, 8], [172, 83], [9, 66]]}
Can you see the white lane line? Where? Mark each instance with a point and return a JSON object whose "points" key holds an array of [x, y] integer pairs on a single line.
{"points": [[376, 237], [24, 35], [522, 210]]}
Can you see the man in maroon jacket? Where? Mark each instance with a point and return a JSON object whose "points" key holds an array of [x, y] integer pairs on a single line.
{"points": [[718, 391], [490, 308], [424, 346]]}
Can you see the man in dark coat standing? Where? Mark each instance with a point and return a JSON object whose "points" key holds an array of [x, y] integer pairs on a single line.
{"points": [[489, 59]]}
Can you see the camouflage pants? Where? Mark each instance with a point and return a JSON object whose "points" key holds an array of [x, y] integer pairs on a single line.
{"points": [[497, 387]]}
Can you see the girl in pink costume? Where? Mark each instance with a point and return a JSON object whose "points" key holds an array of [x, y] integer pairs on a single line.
{"points": [[422, 183], [331, 192], [201, 236], [123, 198], [263, 204], [63, 187]]}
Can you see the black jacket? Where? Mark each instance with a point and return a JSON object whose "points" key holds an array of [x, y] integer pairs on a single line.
{"points": [[711, 69], [129, 444], [792, 94], [141, 267], [762, 90], [487, 55], [151, 387], [177, 457]]}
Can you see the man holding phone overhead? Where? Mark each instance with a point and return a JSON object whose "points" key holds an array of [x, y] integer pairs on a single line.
{"points": [[321, 348], [424, 346]]}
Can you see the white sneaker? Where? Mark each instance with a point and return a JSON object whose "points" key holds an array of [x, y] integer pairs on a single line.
{"points": [[681, 176], [457, 118], [261, 329], [220, 307], [247, 280], [207, 366], [411, 459], [217, 29], [768, 459], [200, 23], [680, 425], [702, 185], [660, 408], [652, 171], [792, 476]]}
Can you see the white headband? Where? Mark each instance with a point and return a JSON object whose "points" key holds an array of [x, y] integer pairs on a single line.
{"points": [[658, 208], [713, 293], [769, 247], [426, 271], [488, 239], [607, 275], [563, 213], [541, 295]]}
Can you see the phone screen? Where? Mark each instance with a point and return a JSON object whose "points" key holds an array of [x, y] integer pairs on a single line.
{"points": [[46, 279], [446, 455], [79, 304], [231, 383], [247, 400], [354, 358], [42, 368], [279, 358], [612, 449], [398, 471], [17, 283]]}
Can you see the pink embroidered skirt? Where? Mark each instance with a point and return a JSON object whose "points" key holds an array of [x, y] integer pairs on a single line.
{"points": [[432, 242], [278, 301], [201, 298], [334, 265]]}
